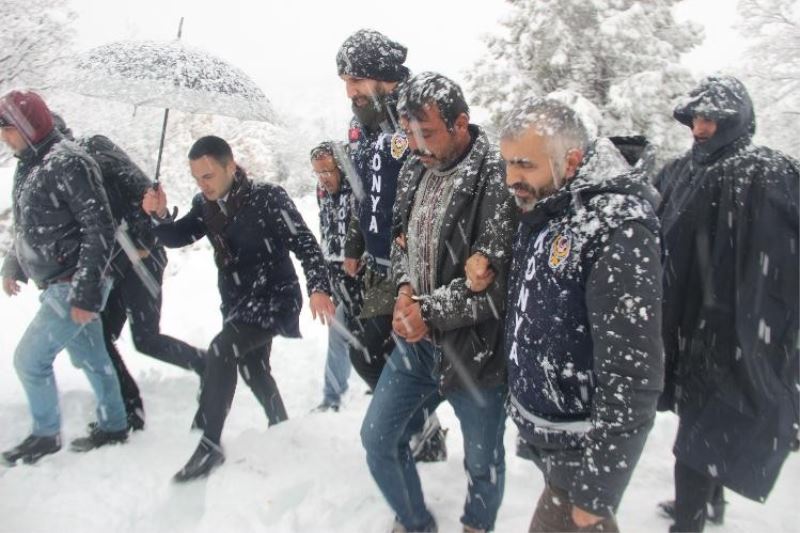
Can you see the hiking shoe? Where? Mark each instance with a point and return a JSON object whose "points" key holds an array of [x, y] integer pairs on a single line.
{"points": [[325, 407], [205, 458], [398, 527], [97, 438], [136, 419], [715, 510], [32, 449]]}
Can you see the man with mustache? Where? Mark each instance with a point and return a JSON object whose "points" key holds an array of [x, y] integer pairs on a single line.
{"points": [[334, 198], [371, 66], [583, 337], [729, 218], [451, 204]]}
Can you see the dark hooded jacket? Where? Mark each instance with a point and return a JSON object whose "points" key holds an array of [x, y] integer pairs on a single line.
{"points": [[480, 217], [334, 218], [377, 157], [252, 239], [63, 228], [730, 225], [583, 330]]}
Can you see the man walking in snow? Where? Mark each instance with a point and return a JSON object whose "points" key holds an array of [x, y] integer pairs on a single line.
{"points": [[451, 204], [137, 267], [371, 66], [583, 331], [335, 201], [252, 228], [729, 217], [63, 238]]}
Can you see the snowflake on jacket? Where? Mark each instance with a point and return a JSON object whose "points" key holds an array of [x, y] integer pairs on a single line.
{"points": [[583, 335], [252, 240], [62, 222]]}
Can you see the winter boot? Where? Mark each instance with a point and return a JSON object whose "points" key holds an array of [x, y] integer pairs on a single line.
{"points": [[136, 419], [97, 438], [205, 458], [429, 446], [398, 527], [32, 449], [325, 407], [715, 509]]}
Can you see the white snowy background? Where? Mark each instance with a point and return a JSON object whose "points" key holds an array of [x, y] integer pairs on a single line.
{"points": [[308, 474]]}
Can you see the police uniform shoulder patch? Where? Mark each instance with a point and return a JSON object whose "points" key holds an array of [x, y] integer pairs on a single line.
{"points": [[399, 145], [559, 250]]}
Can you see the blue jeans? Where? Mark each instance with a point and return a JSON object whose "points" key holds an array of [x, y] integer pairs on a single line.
{"points": [[337, 363], [51, 331], [408, 383]]}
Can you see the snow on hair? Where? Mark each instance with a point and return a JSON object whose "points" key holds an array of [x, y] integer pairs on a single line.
{"points": [[558, 123], [431, 88]]}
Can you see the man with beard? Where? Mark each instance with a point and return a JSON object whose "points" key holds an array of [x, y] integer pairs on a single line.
{"points": [[334, 198], [371, 66], [583, 337], [451, 205], [729, 218], [252, 228]]}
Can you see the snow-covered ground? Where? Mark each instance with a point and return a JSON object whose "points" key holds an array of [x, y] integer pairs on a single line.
{"points": [[306, 475]]}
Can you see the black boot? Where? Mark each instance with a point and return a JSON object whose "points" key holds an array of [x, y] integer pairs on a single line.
{"points": [[429, 446], [32, 449], [96, 438], [205, 458], [715, 509]]}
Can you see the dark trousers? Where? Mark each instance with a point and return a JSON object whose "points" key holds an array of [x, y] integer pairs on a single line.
{"points": [[130, 301], [248, 349], [554, 513], [377, 344], [693, 491]]}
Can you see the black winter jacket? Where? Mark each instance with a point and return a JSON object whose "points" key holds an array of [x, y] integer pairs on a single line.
{"points": [[583, 334], [377, 157], [62, 221], [256, 278], [730, 224], [334, 218], [467, 326]]}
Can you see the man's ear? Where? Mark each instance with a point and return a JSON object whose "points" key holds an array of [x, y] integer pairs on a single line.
{"points": [[462, 123], [573, 160]]}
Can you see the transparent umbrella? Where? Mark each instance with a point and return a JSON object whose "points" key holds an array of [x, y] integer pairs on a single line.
{"points": [[169, 75]]}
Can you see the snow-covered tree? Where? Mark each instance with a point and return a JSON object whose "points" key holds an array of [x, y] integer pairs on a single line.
{"points": [[623, 55], [36, 35], [771, 69]]}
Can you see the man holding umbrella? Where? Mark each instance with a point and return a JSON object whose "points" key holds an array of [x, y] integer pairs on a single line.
{"points": [[252, 228]]}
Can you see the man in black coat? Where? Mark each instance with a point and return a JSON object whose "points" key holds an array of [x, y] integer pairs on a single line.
{"points": [[451, 205], [730, 223], [63, 238], [137, 267], [583, 330], [252, 228]]}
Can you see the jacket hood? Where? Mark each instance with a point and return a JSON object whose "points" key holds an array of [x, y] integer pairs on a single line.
{"points": [[604, 171], [725, 100]]}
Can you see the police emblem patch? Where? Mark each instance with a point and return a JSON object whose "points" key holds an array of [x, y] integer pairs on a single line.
{"points": [[559, 250], [399, 145]]}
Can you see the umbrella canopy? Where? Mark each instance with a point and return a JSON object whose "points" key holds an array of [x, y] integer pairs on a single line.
{"points": [[169, 75]]}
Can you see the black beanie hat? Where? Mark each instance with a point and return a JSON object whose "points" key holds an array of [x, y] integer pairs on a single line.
{"points": [[370, 54]]}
